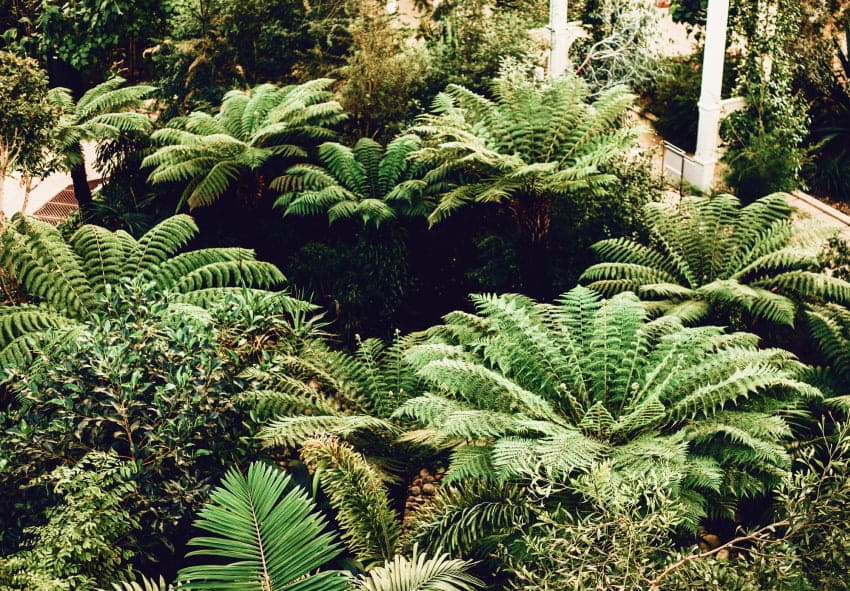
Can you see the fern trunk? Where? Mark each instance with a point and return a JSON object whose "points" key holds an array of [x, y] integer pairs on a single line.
{"points": [[82, 192], [533, 215]]}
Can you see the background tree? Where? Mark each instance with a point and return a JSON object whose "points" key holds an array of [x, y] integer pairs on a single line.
{"points": [[26, 118], [534, 143], [384, 73]]}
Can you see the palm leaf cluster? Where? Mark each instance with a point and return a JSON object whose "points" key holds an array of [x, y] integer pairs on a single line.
{"points": [[68, 280], [710, 253], [318, 390], [533, 142], [269, 531], [366, 182], [210, 153], [529, 390]]}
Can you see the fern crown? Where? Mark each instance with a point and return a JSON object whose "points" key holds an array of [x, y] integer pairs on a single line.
{"points": [[533, 141], [710, 252], [366, 181], [523, 389], [69, 279], [209, 153]]}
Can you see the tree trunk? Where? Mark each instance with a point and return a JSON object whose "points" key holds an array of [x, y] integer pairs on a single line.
{"points": [[532, 214], [82, 192]]}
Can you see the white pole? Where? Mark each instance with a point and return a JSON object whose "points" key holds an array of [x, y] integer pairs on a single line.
{"points": [[559, 41], [708, 133]]}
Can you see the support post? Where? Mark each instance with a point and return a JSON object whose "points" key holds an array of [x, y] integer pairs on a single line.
{"points": [[710, 112], [559, 38]]}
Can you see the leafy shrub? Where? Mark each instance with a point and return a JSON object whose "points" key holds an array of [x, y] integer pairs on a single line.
{"points": [[79, 546], [151, 383]]}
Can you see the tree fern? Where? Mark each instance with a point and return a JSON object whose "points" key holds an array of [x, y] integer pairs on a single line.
{"points": [[251, 131], [68, 280], [271, 538], [547, 391], [534, 142], [366, 181], [316, 389], [710, 253]]}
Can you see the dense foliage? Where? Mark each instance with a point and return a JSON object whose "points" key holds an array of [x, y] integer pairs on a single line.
{"points": [[167, 421]]}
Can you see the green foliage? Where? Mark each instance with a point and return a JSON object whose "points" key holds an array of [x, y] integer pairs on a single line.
{"points": [[272, 538], [419, 572], [547, 391], [107, 111], [253, 129], [366, 181], [153, 382], [625, 531], [78, 547], [26, 116], [214, 46], [801, 549], [474, 518], [68, 279], [468, 40], [370, 528], [315, 389], [90, 35], [764, 152], [710, 255], [384, 73], [536, 142]]}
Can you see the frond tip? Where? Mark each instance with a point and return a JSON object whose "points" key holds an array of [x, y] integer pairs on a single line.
{"points": [[420, 573]]}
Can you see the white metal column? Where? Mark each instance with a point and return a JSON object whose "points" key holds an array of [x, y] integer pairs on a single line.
{"points": [[710, 107], [559, 38]]}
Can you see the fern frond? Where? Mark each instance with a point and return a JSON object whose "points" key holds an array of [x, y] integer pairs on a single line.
{"points": [[370, 528]]}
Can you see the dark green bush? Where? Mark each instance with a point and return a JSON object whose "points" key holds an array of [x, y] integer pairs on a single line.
{"points": [[151, 383]]}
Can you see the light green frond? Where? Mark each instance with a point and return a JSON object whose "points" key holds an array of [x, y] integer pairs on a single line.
{"points": [[420, 573], [160, 243], [290, 432], [370, 528]]}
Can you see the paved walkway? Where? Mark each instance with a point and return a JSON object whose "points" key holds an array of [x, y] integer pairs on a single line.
{"points": [[43, 189]]}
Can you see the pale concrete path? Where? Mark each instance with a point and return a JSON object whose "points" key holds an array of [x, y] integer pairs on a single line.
{"points": [[43, 189]]}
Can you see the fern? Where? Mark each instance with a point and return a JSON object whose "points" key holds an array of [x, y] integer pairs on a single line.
{"points": [[711, 253], [366, 181], [251, 130], [69, 281], [544, 392], [370, 527]]}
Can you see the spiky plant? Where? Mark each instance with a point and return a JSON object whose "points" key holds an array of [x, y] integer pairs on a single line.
{"points": [[370, 527], [107, 111], [265, 536], [366, 182], [253, 129], [316, 389], [67, 280], [529, 390], [534, 143], [711, 254]]}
